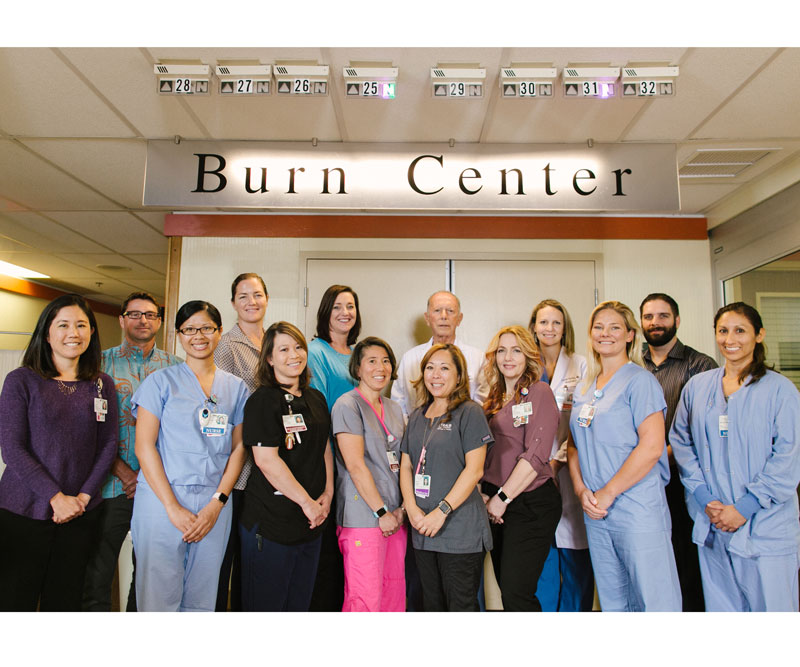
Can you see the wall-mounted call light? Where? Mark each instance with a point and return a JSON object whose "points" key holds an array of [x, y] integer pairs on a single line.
{"points": [[599, 82], [527, 82], [244, 79], [648, 81], [305, 80], [373, 82], [182, 79], [458, 82]]}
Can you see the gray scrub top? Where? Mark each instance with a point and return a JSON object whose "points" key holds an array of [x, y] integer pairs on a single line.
{"points": [[352, 414], [466, 529]]}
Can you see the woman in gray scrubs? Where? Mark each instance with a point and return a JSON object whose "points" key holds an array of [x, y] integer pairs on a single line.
{"points": [[443, 452]]}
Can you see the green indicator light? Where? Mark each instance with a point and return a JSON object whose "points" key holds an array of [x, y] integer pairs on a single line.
{"points": [[388, 91]]}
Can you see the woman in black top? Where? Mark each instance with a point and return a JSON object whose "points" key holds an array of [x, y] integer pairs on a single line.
{"points": [[288, 496]]}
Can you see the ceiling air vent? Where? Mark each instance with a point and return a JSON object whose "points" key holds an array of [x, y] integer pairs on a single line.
{"points": [[722, 162]]}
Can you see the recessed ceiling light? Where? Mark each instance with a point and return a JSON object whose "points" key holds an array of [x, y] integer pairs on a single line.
{"points": [[15, 271]]}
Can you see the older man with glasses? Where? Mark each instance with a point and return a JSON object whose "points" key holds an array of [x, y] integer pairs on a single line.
{"points": [[129, 364]]}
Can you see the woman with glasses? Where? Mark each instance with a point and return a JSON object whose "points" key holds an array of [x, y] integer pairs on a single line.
{"points": [[189, 446]]}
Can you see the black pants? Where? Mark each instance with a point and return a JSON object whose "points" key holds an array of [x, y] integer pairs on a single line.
{"points": [[43, 563], [450, 582], [329, 585], [231, 570], [686, 559], [522, 542], [114, 524]]}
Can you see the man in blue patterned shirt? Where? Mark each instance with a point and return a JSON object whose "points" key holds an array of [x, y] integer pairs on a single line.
{"points": [[129, 364]]}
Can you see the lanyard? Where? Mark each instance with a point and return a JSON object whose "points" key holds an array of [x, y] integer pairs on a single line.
{"points": [[389, 437], [425, 442]]}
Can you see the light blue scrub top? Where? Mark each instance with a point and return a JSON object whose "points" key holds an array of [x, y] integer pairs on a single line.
{"points": [[632, 395], [174, 396], [330, 374], [756, 467]]}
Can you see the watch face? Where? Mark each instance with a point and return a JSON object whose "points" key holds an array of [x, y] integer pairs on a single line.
{"points": [[445, 507]]}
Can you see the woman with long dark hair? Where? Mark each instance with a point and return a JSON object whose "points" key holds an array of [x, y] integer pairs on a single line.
{"points": [[443, 452], [735, 439], [288, 496], [58, 431], [618, 463], [523, 502], [189, 445]]}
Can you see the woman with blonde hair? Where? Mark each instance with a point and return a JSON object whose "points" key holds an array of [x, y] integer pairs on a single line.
{"points": [[567, 582], [443, 452], [618, 464], [521, 498]]}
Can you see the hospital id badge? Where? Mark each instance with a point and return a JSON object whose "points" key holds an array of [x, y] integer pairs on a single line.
{"points": [[100, 409], [213, 424], [564, 400], [522, 410], [422, 485], [294, 423], [394, 463], [723, 426], [586, 415]]}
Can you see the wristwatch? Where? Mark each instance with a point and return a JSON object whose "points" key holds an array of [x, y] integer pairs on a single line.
{"points": [[502, 495], [221, 497], [378, 513], [445, 507]]}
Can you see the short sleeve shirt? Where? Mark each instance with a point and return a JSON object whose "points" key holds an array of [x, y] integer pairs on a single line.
{"points": [[466, 529], [175, 397], [352, 414], [280, 519], [628, 399], [330, 371]]}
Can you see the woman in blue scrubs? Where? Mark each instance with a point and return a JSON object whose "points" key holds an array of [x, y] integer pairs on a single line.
{"points": [[189, 445], [618, 464], [735, 439]]}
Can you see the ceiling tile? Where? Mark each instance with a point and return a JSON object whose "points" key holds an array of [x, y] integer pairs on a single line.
{"points": [[114, 167], [44, 97], [98, 262], [119, 231], [41, 234], [157, 263], [29, 180], [696, 198]]}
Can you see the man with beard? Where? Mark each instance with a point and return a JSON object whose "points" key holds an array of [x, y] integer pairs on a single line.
{"points": [[673, 363]]}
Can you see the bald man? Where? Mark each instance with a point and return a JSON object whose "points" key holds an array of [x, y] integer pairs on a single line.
{"points": [[443, 317]]}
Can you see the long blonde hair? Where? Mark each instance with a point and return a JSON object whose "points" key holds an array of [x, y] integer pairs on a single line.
{"points": [[495, 380], [460, 392], [568, 337], [633, 349]]}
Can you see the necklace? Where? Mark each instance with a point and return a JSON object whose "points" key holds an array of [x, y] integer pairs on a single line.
{"points": [[67, 390]]}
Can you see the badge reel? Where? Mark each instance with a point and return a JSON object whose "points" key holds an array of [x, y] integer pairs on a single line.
{"points": [[588, 410], [293, 424], [212, 424], [100, 403], [521, 412]]}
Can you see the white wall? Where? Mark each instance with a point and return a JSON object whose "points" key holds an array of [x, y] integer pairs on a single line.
{"points": [[628, 270]]}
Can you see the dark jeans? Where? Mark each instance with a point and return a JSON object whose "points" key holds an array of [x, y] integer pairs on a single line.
{"points": [[277, 577], [231, 570], [522, 542], [329, 586], [686, 558], [43, 563], [449, 581], [114, 524]]}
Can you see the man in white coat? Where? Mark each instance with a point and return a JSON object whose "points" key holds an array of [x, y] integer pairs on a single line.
{"points": [[443, 317]]}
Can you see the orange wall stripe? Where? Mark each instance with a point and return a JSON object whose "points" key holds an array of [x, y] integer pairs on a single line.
{"points": [[429, 226], [45, 292]]}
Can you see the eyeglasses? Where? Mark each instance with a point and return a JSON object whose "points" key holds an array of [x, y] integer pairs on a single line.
{"points": [[191, 331], [137, 315]]}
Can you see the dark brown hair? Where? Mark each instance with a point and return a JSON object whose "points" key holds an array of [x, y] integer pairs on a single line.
{"points": [[358, 355], [247, 276], [461, 391], [326, 308], [39, 355], [265, 373], [758, 367]]}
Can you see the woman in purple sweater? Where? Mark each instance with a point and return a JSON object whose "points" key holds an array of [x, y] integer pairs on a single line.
{"points": [[58, 438]]}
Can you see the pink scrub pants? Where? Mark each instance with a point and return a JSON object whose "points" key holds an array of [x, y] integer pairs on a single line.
{"points": [[374, 569]]}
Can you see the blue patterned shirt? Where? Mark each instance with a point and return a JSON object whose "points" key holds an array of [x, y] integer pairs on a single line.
{"points": [[126, 365]]}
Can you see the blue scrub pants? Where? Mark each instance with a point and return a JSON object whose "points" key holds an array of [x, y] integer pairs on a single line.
{"points": [[634, 571], [567, 581], [172, 575], [733, 583]]}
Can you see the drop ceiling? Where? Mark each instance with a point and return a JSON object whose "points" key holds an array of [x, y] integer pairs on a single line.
{"points": [[74, 123]]}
